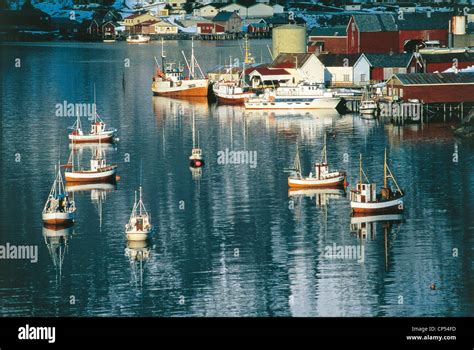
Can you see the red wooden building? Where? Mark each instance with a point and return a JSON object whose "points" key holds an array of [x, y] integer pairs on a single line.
{"points": [[432, 87], [414, 28], [383, 66], [372, 33], [439, 62], [328, 40], [210, 28], [384, 33]]}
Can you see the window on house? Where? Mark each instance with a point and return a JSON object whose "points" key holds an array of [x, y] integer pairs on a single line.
{"points": [[401, 92], [346, 77], [363, 78]]}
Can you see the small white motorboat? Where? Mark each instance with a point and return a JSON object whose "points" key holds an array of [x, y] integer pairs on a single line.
{"points": [[139, 225]]}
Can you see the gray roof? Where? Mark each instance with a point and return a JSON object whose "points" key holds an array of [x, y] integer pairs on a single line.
{"points": [[387, 60], [224, 16], [421, 21], [435, 78], [329, 31], [337, 60], [375, 23], [448, 57]]}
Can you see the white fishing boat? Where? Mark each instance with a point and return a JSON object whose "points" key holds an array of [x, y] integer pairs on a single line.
{"points": [[322, 176], [99, 170], [59, 208], [138, 39], [139, 225], [364, 198], [196, 159], [171, 81], [235, 92], [302, 96], [98, 132], [368, 107]]}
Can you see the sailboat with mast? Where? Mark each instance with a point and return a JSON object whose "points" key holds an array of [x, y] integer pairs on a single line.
{"points": [[98, 132], [171, 81], [322, 178], [196, 159], [99, 170], [59, 208], [364, 198], [139, 225], [235, 92]]}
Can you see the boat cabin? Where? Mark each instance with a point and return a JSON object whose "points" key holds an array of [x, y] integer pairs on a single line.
{"points": [[320, 169], [97, 127], [364, 193]]}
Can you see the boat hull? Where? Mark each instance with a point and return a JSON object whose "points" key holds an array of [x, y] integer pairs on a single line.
{"points": [[187, 88], [91, 176], [233, 100], [316, 103], [134, 235], [390, 206], [59, 218], [104, 138], [306, 182]]}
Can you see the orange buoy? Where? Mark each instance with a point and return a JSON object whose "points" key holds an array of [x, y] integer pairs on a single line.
{"points": [[117, 177]]}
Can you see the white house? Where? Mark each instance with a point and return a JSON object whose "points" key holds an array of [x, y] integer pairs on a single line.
{"points": [[241, 10], [260, 10], [362, 71], [207, 11], [302, 66], [339, 68], [278, 9]]}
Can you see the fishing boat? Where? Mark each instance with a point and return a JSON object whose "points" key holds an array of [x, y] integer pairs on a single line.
{"points": [[322, 176], [364, 198], [368, 107], [59, 208], [235, 92], [171, 81], [99, 170], [98, 133], [138, 39], [306, 95], [139, 225], [196, 159]]}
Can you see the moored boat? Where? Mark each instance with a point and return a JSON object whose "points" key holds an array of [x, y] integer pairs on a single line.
{"points": [[171, 81], [368, 107], [59, 208], [98, 132], [322, 178], [139, 225], [364, 198], [99, 170], [196, 159], [138, 39], [302, 96]]}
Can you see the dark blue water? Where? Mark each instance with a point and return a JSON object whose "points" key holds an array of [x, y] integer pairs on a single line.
{"points": [[232, 241]]}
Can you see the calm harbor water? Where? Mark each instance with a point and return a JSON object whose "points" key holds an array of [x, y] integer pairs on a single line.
{"points": [[233, 241]]}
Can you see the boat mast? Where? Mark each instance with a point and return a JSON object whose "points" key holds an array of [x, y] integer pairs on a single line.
{"points": [[192, 58], [360, 171], [140, 203], [385, 169], [194, 131], [162, 56], [95, 108], [297, 163], [324, 157]]}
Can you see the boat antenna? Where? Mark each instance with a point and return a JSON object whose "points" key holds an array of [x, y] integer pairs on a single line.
{"points": [[194, 131], [140, 200]]}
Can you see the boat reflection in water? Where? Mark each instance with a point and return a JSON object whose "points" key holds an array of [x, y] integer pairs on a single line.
{"points": [[365, 227], [57, 240], [322, 196], [166, 107], [98, 193], [138, 252]]}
